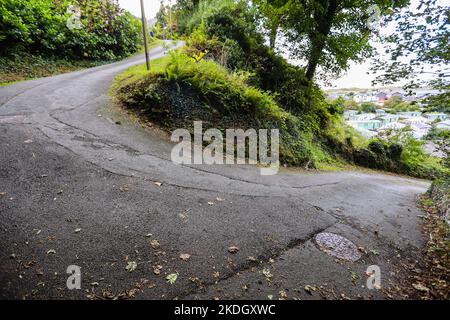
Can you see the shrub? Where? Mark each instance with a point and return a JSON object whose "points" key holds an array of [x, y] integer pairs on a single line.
{"points": [[402, 153], [188, 91], [39, 27]]}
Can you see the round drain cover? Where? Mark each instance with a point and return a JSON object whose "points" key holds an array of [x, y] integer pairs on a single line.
{"points": [[337, 246]]}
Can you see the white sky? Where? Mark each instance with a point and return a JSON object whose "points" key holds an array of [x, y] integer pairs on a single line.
{"points": [[356, 76], [134, 6]]}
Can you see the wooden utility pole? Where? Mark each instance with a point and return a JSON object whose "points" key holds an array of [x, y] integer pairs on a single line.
{"points": [[170, 19], [145, 31]]}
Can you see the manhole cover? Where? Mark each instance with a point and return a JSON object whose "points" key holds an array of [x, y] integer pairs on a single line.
{"points": [[337, 246]]}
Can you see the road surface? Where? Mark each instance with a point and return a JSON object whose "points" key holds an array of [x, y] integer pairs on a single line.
{"points": [[83, 184]]}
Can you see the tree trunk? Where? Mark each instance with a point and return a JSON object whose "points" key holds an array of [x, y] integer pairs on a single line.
{"points": [[318, 39]]}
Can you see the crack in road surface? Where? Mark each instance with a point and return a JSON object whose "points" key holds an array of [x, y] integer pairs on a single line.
{"points": [[78, 189]]}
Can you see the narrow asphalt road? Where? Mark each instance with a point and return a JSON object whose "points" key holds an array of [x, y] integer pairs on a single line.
{"points": [[82, 184]]}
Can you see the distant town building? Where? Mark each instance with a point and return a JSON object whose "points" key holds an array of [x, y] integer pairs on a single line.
{"points": [[382, 97], [410, 114], [388, 118], [435, 116], [444, 125], [362, 117], [366, 124], [420, 129], [349, 113]]}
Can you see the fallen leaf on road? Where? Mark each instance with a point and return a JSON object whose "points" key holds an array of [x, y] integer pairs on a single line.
{"points": [[131, 266], [148, 235], [124, 188], [154, 243], [2, 194], [362, 249], [51, 251], [157, 269], [28, 141], [216, 274], [233, 249], [270, 296], [159, 184], [172, 278], [183, 216], [185, 256], [220, 199], [354, 276], [309, 289], [77, 230], [210, 203], [267, 274], [283, 295], [420, 287]]}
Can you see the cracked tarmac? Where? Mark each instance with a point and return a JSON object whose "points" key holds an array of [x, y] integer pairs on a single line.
{"points": [[63, 168]]}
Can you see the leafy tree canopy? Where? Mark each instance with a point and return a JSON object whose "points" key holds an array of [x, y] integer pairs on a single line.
{"points": [[328, 33], [419, 51]]}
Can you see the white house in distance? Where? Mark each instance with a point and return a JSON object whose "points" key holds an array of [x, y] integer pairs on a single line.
{"points": [[433, 116], [444, 125]]}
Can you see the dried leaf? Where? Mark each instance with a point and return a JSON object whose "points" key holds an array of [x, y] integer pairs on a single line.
{"points": [[131, 266], [51, 251], [233, 249], [267, 274], [309, 289], [154, 243], [159, 184], [157, 269], [185, 256], [420, 287]]}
